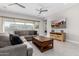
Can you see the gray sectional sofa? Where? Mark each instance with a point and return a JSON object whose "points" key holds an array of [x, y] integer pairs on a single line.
{"points": [[28, 34], [6, 49]]}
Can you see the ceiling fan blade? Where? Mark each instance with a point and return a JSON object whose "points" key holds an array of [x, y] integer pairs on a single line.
{"points": [[17, 4], [44, 10], [20, 5], [11, 4], [40, 12]]}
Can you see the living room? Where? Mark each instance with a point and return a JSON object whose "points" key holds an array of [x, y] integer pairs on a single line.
{"points": [[39, 29]]}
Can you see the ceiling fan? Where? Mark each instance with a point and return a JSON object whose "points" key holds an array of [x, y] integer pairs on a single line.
{"points": [[17, 4], [41, 10]]}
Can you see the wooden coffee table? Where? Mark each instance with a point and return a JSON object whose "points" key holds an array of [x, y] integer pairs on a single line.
{"points": [[43, 43]]}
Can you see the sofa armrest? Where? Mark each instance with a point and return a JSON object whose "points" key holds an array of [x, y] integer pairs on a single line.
{"points": [[22, 38], [29, 47], [14, 50]]}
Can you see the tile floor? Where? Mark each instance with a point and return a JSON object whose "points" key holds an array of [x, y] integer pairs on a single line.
{"points": [[60, 49]]}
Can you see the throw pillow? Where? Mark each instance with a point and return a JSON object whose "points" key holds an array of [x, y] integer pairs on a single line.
{"points": [[14, 39]]}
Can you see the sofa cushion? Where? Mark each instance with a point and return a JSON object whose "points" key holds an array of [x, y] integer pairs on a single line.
{"points": [[31, 33], [26, 32], [15, 39]]}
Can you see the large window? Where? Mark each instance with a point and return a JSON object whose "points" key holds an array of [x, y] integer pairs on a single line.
{"points": [[24, 26], [10, 26]]}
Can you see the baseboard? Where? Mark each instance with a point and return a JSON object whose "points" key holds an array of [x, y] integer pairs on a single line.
{"points": [[75, 42]]}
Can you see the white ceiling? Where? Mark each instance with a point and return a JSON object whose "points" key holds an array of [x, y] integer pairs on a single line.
{"points": [[31, 8]]}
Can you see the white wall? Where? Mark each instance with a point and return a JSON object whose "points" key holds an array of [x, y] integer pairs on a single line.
{"points": [[41, 30], [72, 18], [48, 27]]}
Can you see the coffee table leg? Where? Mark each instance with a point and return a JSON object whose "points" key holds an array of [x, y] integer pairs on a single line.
{"points": [[52, 43], [41, 49]]}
